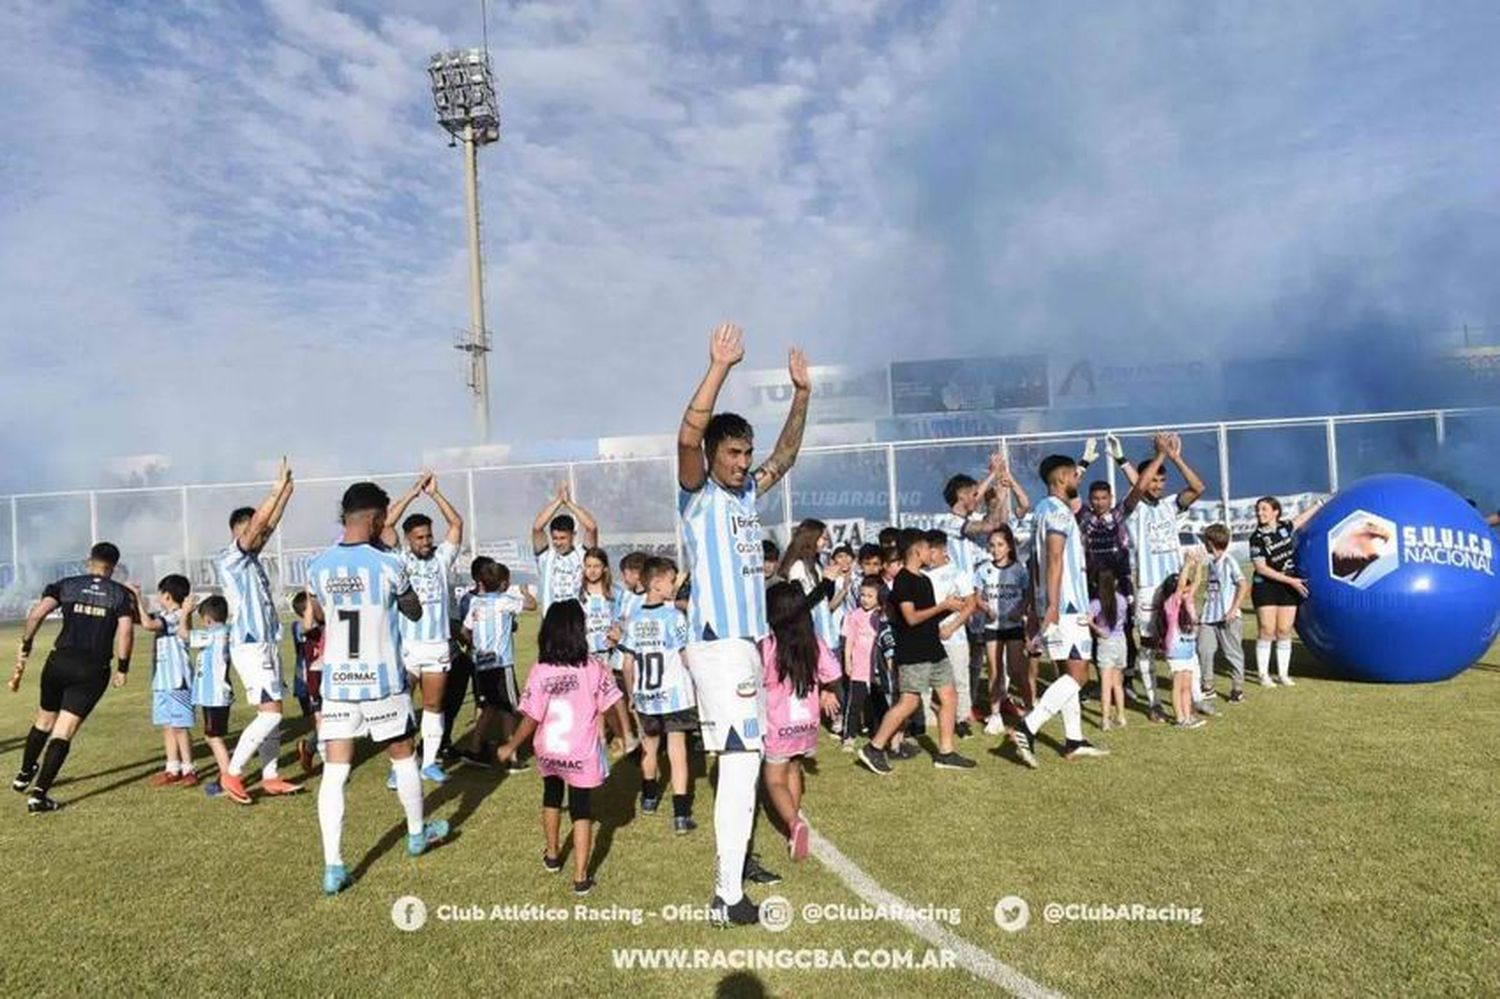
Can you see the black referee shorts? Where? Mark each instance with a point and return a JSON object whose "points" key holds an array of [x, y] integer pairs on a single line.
{"points": [[73, 683]]}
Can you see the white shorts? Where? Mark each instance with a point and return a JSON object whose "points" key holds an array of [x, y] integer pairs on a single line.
{"points": [[731, 698], [1145, 612], [1110, 653], [385, 720], [425, 657], [1068, 639], [258, 665], [1183, 665]]}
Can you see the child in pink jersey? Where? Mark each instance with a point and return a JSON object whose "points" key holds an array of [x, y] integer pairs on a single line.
{"points": [[567, 692], [796, 665], [859, 650]]}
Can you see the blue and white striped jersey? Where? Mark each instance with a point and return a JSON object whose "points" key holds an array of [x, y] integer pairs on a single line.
{"points": [[964, 552], [170, 669], [722, 536], [489, 618], [560, 577], [656, 636], [430, 577], [598, 616], [627, 602], [247, 588], [822, 614], [1155, 549], [211, 686], [1221, 580], [357, 586], [1052, 516]]}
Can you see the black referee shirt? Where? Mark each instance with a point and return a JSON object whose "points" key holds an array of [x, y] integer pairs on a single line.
{"points": [[91, 608], [1275, 546]]}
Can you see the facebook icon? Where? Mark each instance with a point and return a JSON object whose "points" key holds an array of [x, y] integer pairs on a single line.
{"points": [[409, 913]]}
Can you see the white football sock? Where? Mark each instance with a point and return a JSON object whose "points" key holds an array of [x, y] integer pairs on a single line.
{"points": [[331, 811], [432, 736], [734, 815], [409, 790], [270, 750], [1054, 699], [1072, 716], [1146, 665], [1284, 655], [1263, 657], [173, 767], [255, 733]]}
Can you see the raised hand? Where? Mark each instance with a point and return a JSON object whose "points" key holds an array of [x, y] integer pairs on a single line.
{"points": [[429, 484], [727, 345], [1174, 445], [997, 463], [1116, 449], [1162, 443], [796, 366]]}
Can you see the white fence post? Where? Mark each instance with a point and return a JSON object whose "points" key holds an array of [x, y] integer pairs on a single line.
{"points": [[93, 517], [894, 504], [187, 544], [15, 544], [1440, 421], [473, 518], [1223, 434], [671, 467], [786, 506], [572, 482], [1331, 431]]}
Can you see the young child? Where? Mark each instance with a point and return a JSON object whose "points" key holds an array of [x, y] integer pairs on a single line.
{"points": [[567, 692], [795, 664], [559, 561], [1221, 628], [597, 598], [651, 641], [859, 654], [307, 645], [212, 691], [171, 681], [489, 629], [1003, 585], [953, 630], [1107, 613], [770, 553], [1177, 621], [870, 562]]}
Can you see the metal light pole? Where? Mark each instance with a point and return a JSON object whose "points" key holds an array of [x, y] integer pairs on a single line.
{"points": [[463, 92]]}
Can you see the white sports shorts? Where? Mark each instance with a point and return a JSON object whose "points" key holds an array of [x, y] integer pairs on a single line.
{"points": [[258, 665], [425, 657], [384, 720], [1068, 639], [731, 698]]}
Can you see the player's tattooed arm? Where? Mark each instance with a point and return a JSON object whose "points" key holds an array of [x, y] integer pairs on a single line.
{"points": [[409, 604], [268, 515], [789, 444], [726, 348]]}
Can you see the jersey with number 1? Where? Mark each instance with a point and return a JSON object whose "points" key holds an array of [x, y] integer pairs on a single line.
{"points": [[566, 702], [656, 636], [357, 586], [430, 578]]}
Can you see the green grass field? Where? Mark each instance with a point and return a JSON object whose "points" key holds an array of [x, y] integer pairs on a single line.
{"points": [[1339, 838]]}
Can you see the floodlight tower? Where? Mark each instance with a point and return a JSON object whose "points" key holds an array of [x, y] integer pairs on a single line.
{"points": [[463, 92]]}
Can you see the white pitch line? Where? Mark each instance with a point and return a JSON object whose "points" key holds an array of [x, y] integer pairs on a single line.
{"points": [[976, 962]]}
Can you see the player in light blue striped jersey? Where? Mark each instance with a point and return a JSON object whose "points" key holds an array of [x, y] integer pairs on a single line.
{"points": [[426, 649], [1062, 604], [559, 559], [171, 681], [1156, 550], [727, 605], [356, 591], [213, 693], [255, 638], [489, 628]]}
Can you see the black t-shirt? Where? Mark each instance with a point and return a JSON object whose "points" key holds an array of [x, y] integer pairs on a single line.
{"points": [[91, 609], [1275, 546], [919, 644]]}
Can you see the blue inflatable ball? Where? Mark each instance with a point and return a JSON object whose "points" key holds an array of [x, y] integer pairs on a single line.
{"points": [[1401, 583]]}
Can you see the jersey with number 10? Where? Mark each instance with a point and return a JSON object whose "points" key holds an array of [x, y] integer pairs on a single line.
{"points": [[429, 577], [722, 532], [656, 636], [357, 586]]}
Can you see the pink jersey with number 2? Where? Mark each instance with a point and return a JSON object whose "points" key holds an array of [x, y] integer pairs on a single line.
{"points": [[566, 702], [792, 721]]}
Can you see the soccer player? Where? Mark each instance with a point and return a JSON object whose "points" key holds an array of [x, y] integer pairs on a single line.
{"points": [[356, 591], [967, 530], [425, 648], [489, 630], [727, 606], [255, 638], [1061, 601], [98, 615], [559, 559], [171, 680], [921, 665], [651, 642], [212, 690], [1156, 550]]}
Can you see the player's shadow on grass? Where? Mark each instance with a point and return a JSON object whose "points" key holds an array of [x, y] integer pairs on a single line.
{"points": [[740, 985]]}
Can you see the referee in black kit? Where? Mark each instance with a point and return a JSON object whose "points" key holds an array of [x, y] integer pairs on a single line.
{"points": [[98, 617]]}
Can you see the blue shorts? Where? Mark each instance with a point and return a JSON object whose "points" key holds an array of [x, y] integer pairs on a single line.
{"points": [[172, 708]]}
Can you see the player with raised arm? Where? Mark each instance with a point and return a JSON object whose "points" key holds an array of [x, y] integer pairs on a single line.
{"points": [[255, 638], [98, 615], [727, 607], [1156, 549], [425, 642], [969, 531], [356, 591], [1062, 603], [559, 558]]}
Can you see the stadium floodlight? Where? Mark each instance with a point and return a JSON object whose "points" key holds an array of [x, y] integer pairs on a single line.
{"points": [[463, 95]]}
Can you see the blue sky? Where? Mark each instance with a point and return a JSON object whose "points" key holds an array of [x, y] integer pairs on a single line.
{"points": [[234, 229]]}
